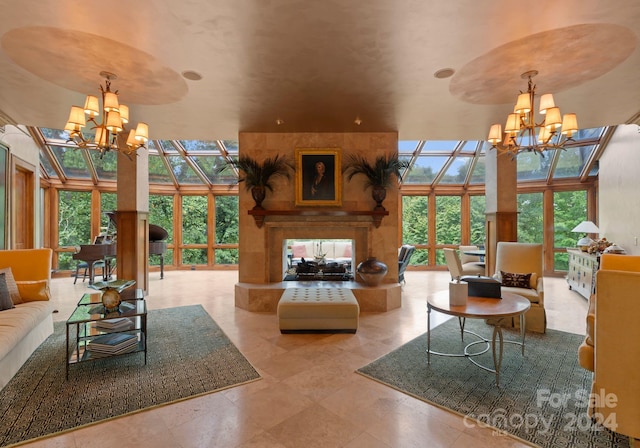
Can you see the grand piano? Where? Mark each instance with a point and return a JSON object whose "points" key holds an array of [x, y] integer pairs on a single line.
{"points": [[106, 250]]}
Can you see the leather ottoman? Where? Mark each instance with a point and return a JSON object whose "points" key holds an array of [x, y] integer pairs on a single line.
{"points": [[318, 310]]}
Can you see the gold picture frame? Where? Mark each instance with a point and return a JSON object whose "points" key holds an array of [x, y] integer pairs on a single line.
{"points": [[319, 177]]}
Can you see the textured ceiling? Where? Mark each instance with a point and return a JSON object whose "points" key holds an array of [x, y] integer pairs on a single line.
{"points": [[319, 65]]}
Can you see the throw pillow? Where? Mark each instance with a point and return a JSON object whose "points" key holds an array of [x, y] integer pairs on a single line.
{"points": [[34, 291], [514, 280], [5, 297], [12, 286], [299, 251]]}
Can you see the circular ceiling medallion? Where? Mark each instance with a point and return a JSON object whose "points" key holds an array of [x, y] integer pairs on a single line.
{"points": [[74, 60], [564, 57]]}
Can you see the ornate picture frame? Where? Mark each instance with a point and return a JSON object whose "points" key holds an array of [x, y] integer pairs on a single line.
{"points": [[319, 177]]}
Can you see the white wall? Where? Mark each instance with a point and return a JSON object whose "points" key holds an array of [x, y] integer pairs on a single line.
{"points": [[21, 145], [619, 189]]}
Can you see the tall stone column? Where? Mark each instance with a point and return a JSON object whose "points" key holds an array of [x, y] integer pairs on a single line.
{"points": [[133, 218], [501, 181]]}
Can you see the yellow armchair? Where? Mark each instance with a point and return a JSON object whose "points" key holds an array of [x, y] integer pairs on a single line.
{"points": [[31, 269], [613, 328]]}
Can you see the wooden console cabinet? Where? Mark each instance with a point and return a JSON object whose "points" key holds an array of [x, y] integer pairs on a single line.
{"points": [[582, 272]]}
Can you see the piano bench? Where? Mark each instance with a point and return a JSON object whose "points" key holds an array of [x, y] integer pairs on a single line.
{"points": [[84, 265]]}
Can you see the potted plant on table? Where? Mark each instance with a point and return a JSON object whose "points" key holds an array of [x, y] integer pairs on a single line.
{"points": [[379, 174], [258, 177]]}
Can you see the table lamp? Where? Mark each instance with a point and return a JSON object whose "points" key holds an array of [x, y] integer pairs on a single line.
{"points": [[585, 227]]}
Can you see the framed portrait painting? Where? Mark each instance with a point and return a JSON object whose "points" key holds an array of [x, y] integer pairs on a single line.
{"points": [[319, 177]]}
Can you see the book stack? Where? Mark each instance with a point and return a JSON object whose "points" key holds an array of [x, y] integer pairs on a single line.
{"points": [[116, 324], [112, 344]]}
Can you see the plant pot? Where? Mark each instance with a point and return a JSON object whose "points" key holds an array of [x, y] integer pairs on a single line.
{"points": [[379, 194], [372, 271], [258, 194]]}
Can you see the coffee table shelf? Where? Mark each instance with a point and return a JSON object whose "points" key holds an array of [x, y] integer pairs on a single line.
{"points": [[83, 326]]}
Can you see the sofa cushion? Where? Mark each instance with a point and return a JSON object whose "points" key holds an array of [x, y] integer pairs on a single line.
{"points": [[34, 290], [299, 251], [11, 285], [527, 293], [17, 322], [5, 297]]}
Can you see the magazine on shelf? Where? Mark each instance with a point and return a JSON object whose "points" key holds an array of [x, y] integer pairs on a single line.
{"points": [[118, 323], [112, 342], [100, 354]]}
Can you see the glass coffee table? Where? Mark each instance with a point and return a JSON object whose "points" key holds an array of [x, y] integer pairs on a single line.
{"points": [[510, 305], [94, 333]]}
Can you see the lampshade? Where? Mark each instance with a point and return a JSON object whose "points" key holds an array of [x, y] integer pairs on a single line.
{"points": [[495, 134], [114, 123], [569, 124], [513, 124], [524, 104], [76, 116], [554, 118], [546, 102], [586, 227], [142, 132], [124, 113], [111, 102], [91, 106]]}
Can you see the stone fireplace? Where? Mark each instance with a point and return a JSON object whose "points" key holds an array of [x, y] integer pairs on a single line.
{"points": [[262, 252]]}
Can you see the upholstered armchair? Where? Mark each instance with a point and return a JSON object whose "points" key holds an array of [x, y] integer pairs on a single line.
{"points": [[454, 264], [471, 264], [519, 269], [610, 348]]}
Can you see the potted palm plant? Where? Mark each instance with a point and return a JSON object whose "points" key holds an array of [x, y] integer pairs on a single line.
{"points": [[258, 177], [378, 174]]}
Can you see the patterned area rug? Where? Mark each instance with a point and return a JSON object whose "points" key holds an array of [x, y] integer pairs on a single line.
{"points": [[542, 398], [188, 355]]}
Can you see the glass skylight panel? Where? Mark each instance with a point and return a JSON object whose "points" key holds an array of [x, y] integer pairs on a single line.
{"points": [[106, 166], [231, 146], [478, 175], [588, 134], [158, 173], [54, 134], [72, 162], [47, 165], [211, 167], [533, 166], [199, 146], [443, 146], [407, 146], [572, 161], [457, 171], [469, 146], [167, 146], [424, 170], [183, 172]]}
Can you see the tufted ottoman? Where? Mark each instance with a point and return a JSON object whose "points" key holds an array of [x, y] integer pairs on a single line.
{"points": [[305, 310]]}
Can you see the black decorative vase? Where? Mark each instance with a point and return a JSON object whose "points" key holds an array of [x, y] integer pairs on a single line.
{"points": [[372, 271], [379, 194], [258, 194]]}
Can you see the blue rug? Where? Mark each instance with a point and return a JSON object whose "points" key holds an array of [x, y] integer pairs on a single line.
{"points": [[188, 355], [542, 398]]}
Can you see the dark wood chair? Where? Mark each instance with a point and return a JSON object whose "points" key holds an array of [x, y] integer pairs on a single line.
{"points": [[404, 257]]}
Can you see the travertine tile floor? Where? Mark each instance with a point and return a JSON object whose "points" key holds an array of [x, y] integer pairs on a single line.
{"points": [[309, 395]]}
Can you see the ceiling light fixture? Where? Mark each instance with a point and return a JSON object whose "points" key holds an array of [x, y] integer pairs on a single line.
{"points": [[113, 115], [522, 133]]}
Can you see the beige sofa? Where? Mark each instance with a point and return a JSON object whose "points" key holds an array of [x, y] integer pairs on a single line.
{"points": [[339, 251], [611, 348], [25, 327]]}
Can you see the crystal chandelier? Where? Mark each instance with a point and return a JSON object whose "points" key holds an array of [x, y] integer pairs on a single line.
{"points": [[522, 133], [113, 118]]}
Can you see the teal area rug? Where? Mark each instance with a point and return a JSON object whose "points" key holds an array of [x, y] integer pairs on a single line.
{"points": [[542, 398], [188, 355]]}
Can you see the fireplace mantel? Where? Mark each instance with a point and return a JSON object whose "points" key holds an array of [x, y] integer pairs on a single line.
{"points": [[259, 215]]}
